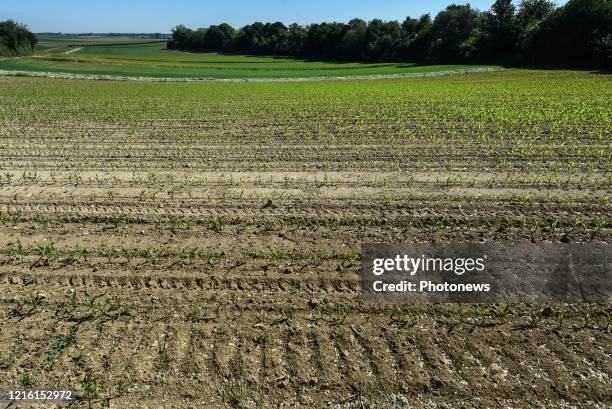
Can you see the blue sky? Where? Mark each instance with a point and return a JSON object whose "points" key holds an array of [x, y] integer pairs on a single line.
{"points": [[73, 16]]}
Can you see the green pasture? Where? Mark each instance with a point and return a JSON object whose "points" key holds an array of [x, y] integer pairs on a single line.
{"points": [[137, 56]]}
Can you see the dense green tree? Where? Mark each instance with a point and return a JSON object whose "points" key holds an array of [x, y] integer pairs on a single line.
{"points": [[248, 38], [296, 38], [324, 40], [453, 33], [528, 19], [416, 37], [383, 40], [499, 32], [579, 33], [198, 39], [354, 41], [217, 38], [410, 28], [531, 12], [16, 39], [536, 32], [181, 38]]}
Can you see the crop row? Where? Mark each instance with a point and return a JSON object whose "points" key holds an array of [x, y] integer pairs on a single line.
{"points": [[561, 224], [289, 179]]}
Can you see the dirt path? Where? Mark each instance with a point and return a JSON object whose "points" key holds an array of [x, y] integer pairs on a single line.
{"points": [[64, 75], [73, 51]]}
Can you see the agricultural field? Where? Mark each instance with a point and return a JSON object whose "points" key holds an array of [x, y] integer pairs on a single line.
{"points": [[198, 244], [56, 44], [142, 57]]}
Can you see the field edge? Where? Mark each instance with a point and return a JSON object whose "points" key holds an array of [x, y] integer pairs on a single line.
{"points": [[106, 77]]}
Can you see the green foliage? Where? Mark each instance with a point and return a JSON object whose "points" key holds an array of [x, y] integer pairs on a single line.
{"points": [[152, 60], [580, 32], [536, 32], [90, 389], [15, 39], [580, 29]]}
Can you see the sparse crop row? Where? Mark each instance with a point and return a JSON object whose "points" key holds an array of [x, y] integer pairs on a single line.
{"points": [[44, 253], [550, 180], [550, 224]]}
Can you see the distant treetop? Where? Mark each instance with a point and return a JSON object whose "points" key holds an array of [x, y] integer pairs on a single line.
{"points": [[535, 32]]}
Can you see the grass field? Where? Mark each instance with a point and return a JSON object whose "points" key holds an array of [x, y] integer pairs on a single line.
{"points": [[149, 58], [56, 44], [197, 245]]}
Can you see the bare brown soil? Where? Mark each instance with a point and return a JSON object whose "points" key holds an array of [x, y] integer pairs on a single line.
{"points": [[267, 312]]}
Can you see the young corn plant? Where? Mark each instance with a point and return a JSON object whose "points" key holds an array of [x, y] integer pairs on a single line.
{"points": [[79, 253], [90, 389], [535, 317], [502, 313], [16, 251], [46, 252]]}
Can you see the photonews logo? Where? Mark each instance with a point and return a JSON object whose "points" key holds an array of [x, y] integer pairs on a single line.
{"points": [[487, 273]]}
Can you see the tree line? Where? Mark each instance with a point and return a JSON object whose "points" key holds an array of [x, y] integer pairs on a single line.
{"points": [[535, 32], [16, 39]]}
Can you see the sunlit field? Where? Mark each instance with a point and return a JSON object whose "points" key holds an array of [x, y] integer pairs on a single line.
{"points": [[198, 245], [147, 57]]}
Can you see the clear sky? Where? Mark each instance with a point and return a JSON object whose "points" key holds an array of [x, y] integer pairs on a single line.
{"points": [[77, 16]]}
